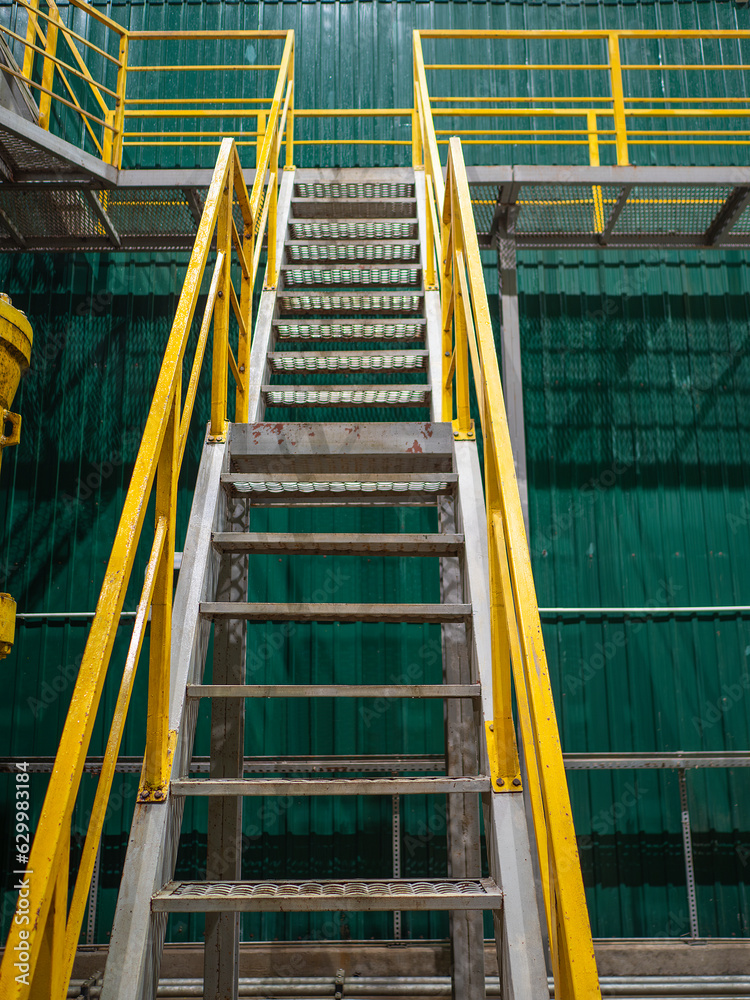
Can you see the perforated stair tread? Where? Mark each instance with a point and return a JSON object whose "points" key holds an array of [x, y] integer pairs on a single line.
{"points": [[300, 787], [373, 612], [353, 229], [351, 275], [354, 189], [333, 691], [344, 395], [352, 251], [344, 894], [269, 543], [347, 303], [331, 361], [380, 330], [354, 208], [340, 489]]}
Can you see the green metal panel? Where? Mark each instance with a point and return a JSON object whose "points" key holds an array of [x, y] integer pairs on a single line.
{"points": [[635, 368]]}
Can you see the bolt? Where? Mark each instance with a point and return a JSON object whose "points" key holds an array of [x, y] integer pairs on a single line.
{"points": [[221, 294], [501, 781], [158, 796], [492, 727], [447, 354], [517, 782], [143, 797]]}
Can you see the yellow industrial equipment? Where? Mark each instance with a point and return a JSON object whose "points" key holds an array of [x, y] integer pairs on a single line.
{"points": [[15, 354]]}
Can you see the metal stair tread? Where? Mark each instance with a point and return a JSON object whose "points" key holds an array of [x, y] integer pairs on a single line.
{"points": [[324, 786], [347, 395], [339, 543], [385, 329], [340, 488], [330, 612], [294, 302], [338, 894], [371, 360], [333, 690]]}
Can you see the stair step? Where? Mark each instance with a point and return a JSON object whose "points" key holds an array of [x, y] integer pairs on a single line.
{"points": [[348, 894], [409, 613], [230, 787], [354, 189], [403, 330], [352, 251], [358, 361], [338, 544], [353, 229], [356, 303], [306, 276], [358, 764], [354, 208], [333, 691], [346, 488], [342, 395]]}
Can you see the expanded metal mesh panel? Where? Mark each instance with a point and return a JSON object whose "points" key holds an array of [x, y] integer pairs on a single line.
{"points": [[149, 211], [362, 229], [335, 189], [336, 486], [365, 208], [25, 157], [375, 396], [300, 253], [339, 276], [351, 331], [342, 362], [483, 201], [330, 890], [573, 208], [670, 209], [742, 225], [350, 303], [45, 213]]}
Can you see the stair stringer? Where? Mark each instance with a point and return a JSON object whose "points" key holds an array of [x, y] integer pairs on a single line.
{"points": [[518, 934], [134, 958]]}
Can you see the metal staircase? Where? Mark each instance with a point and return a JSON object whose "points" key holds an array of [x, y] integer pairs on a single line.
{"points": [[351, 272]]}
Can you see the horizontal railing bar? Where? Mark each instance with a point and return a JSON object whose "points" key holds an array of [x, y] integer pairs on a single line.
{"points": [[517, 66], [199, 66], [203, 35], [686, 610], [97, 15], [603, 33], [43, 616], [197, 100], [352, 113]]}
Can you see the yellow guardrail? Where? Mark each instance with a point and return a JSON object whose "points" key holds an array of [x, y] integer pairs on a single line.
{"points": [[454, 265], [45, 929], [615, 114], [108, 126]]}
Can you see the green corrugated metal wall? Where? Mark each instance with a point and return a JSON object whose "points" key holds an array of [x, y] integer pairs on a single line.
{"points": [[636, 400]]}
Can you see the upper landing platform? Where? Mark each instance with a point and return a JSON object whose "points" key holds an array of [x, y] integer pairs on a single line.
{"points": [[55, 197]]}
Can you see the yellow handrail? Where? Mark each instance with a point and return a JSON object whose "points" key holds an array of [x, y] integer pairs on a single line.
{"points": [[517, 645], [50, 939], [616, 79]]}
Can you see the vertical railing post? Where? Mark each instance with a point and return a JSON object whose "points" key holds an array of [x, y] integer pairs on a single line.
{"points": [[260, 136], [446, 300], [618, 99], [221, 312], [429, 249], [596, 190], [272, 193], [48, 69], [48, 979], [289, 162], [119, 115], [28, 54], [156, 765]]}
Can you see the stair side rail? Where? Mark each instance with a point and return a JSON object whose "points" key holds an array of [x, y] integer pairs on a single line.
{"points": [[45, 929], [517, 645]]}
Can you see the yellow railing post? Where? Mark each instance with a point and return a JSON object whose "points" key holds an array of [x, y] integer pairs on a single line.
{"points": [[446, 307], [28, 54], [159, 744], [618, 99], [221, 313], [260, 136], [48, 69], [119, 115], [48, 980], [289, 162], [596, 190], [272, 195]]}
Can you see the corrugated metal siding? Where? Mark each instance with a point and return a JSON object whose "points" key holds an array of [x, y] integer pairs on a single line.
{"points": [[634, 368]]}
